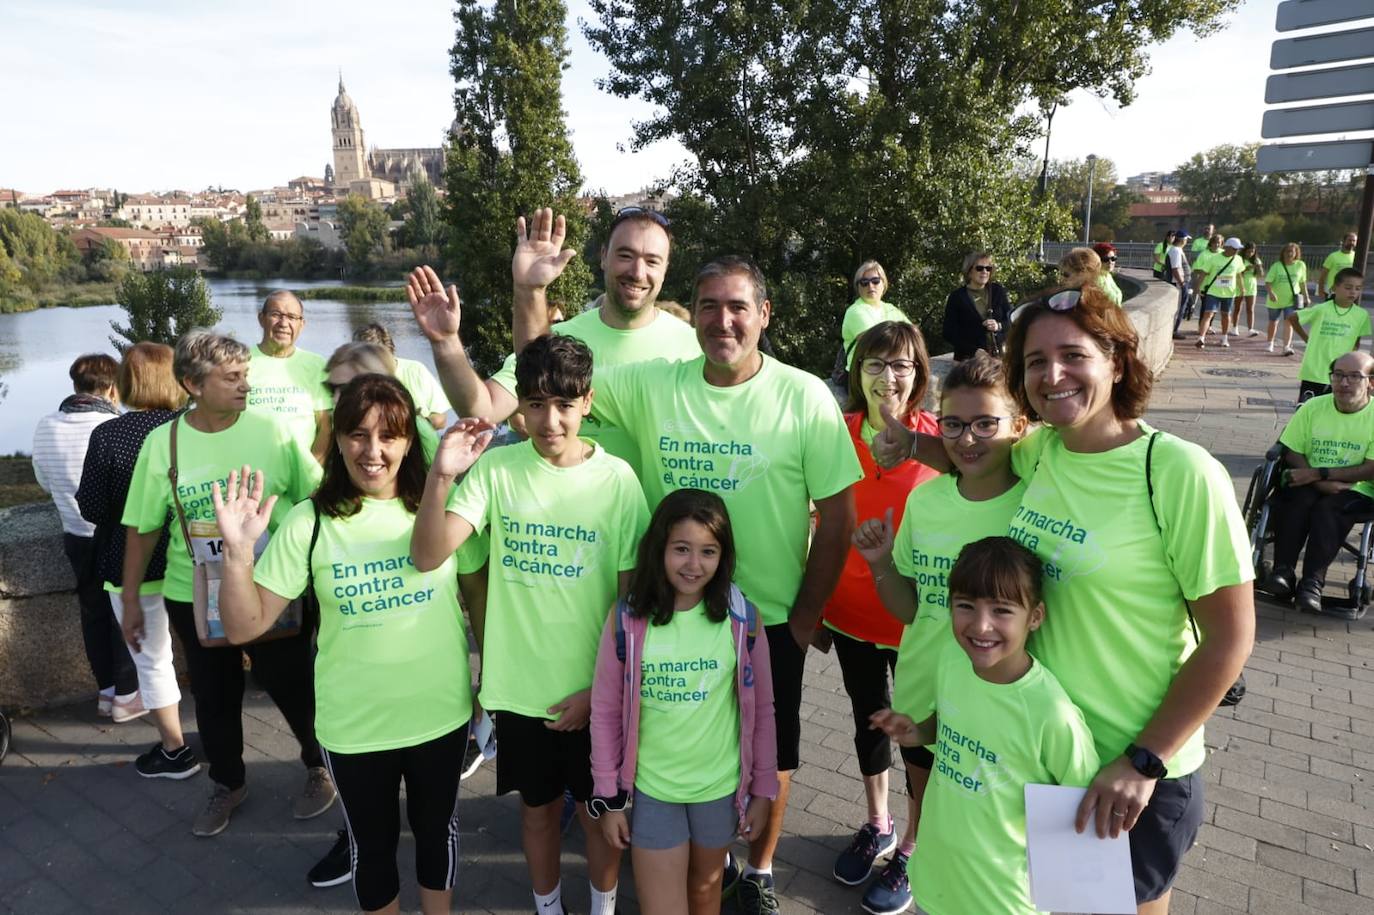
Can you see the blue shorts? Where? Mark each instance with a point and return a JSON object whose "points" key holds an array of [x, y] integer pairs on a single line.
{"points": [[1281, 314], [1212, 303]]}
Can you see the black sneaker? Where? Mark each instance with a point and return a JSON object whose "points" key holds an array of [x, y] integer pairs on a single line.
{"points": [[158, 763], [855, 863], [890, 892], [729, 878], [755, 895], [335, 867]]}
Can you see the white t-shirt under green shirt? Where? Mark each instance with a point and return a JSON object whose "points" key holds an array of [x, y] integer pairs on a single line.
{"points": [[665, 337], [560, 537], [768, 446], [392, 668], [1116, 627], [290, 389]]}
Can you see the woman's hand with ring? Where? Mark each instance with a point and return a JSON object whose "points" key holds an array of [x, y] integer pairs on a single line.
{"points": [[1115, 799]]}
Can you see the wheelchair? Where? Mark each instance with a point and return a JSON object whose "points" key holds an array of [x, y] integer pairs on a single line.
{"points": [[4, 736], [1258, 511]]}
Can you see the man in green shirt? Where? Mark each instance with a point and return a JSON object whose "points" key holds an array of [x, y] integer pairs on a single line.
{"points": [[288, 382], [1335, 262], [1203, 239], [1329, 450]]}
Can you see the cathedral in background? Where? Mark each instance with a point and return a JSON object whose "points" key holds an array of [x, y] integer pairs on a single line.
{"points": [[377, 174]]}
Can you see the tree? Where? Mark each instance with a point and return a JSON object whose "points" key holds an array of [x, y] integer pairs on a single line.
{"points": [[1111, 201], [252, 219], [37, 252], [363, 226], [422, 220], [107, 261], [162, 305], [222, 243], [512, 156], [1221, 185]]}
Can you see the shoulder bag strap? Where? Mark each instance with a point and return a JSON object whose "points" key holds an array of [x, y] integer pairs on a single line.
{"points": [[1218, 273], [310, 554], [176, 498], [1150, 488]]}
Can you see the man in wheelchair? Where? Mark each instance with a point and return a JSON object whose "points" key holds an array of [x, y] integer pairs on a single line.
{"points": [[1327, 488]]}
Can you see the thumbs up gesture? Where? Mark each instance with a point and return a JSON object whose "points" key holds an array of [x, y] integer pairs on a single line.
{"points": [[892, 445], [873, 538]]}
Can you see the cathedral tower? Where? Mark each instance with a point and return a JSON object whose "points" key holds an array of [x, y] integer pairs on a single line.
{"points": [[350, 154]]}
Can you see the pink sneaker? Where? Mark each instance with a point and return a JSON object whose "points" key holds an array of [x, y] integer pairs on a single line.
{"points": [[127, 708]]}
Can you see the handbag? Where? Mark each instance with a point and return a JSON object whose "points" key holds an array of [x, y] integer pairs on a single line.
{"points": [[205, 547]]}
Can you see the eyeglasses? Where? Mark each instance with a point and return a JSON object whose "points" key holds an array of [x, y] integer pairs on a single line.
{"points": [[902, 368], [282, 316], [625, 213], [871, 281], [1348, 377], [984, 268], [952, 427], [1064, 301]]}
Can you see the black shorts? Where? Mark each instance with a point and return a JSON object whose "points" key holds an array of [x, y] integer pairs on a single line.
{"points": [[539, 762], [920, 757], [787, 660], [1165, 831]]}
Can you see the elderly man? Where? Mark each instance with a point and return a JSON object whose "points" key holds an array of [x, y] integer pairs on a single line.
{"points": [[1329, 451], [1336, 261], [288, 382]]}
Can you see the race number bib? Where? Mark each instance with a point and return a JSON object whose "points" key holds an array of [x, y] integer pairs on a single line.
{"points": [[207, 551], [1225, 282]]}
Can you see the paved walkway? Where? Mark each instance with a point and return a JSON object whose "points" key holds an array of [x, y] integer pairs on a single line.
{"points": [[1290, 820]]}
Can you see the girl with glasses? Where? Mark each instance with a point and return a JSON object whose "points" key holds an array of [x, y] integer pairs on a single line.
{"points": [[978, 312]]}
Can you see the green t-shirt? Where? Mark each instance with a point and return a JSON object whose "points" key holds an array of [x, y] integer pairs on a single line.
{"points": [[290, 389], [1107, 283], [937, 524], [1249, 279], [664, 338], [1159, 256], [560, 537], [1200, 244], [993, 740], [768, 446], [392, 668], [1223, 274], [203, 458], [1329, 438], [1117, 629], [859, 317], [423, 387], [1285, 282], [687, 687], [1335, 262], [1332, 332]]}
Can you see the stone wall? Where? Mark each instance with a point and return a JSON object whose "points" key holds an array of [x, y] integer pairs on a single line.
{"points": [[42, 658]]}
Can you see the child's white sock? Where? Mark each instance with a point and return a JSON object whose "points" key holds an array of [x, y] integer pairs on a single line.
{"points": [[750, 870], [602, 903], [550, 903]]}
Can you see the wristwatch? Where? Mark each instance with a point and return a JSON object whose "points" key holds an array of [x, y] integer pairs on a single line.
{"points": [[1145, 762], [1324, 473]]}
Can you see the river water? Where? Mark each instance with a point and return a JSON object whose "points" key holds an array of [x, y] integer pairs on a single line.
{"points": [[37, 347]]}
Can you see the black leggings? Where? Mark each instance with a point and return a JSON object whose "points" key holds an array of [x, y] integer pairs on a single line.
{"points": [[284, 668], [1302, 513], [106, 649], [369, 785]]}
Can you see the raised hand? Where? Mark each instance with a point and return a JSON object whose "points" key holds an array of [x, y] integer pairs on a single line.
{"points": [[436, 309], [539, 253], [241, 513], [461, 446], [892, 445], [873, 538]]}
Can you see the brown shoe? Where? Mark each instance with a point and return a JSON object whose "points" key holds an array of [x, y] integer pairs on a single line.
{"points": [[318, 795], [215, 817]]}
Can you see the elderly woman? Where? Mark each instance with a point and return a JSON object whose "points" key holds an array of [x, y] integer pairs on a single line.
{"points": [[177, 466], [1147, 569], [146, 386], [977, 313], [870, 285], [1286, 284]]}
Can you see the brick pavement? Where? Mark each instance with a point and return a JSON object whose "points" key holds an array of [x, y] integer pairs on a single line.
{"points": [[1289, 828]]}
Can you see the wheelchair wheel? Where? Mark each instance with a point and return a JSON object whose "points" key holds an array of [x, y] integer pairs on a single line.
{"points": [[4, 736], [1253, 497], [1360, 595]]}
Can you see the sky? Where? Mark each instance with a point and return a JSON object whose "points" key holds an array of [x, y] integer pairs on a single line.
{"points": [[142, 96]]}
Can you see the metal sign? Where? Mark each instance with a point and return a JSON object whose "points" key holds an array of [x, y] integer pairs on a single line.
{"points": [[1301, 14], [1315, 84], [1325, 48], [1338, 118], [1314, 157]]}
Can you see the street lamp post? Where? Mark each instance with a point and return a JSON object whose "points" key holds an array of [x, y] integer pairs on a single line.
{"points": [[1088, 213], [1045, 177]]}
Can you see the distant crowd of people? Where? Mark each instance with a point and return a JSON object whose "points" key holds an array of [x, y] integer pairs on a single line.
{"points": [[1026, 584]]}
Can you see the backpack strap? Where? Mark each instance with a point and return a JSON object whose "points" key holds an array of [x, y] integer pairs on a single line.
{"points": [[310, 554], [751, 624], [1150, 488], [620, 607]]}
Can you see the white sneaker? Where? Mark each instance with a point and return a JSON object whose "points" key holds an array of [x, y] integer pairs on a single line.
{"points": [[1271, 347], [127, 708], [1253, 332], [1225, 342]]}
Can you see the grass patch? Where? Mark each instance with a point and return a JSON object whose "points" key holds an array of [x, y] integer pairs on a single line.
{"points": [[67, 295], [353, 293], [17, 485]]}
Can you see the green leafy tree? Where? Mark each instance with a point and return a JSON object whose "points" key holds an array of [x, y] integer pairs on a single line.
{"points": [[1111, 200], [107, 261], [222, 243], [252, 220], [423, 220], [363, 226], [161, 306], [37, 251], [1221, 185], [512, 156]]}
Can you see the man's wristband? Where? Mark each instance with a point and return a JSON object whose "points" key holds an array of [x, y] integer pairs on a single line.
{"points": [[597, 805], [1324, 473]]}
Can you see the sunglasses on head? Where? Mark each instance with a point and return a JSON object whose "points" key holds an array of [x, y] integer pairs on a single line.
{"points": [[1064, 301], [625, 213]]}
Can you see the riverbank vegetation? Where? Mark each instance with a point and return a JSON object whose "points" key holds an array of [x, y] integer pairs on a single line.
{"points": [[42, 268], [353, 293], [17, 484]]}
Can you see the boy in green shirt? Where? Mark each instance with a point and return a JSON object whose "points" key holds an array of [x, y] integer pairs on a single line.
{"points": [[1336, 328], [998, 721], [565, 518]]}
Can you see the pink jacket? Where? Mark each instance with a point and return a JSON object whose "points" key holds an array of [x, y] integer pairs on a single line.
{"points": [[615, 707]]}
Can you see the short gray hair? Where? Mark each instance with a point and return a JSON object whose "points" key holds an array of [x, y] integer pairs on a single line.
{"points": [[200, 351], [732, 265]]}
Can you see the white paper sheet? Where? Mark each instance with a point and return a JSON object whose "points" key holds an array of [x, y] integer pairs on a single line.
{"points": [[1071, 872]]}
